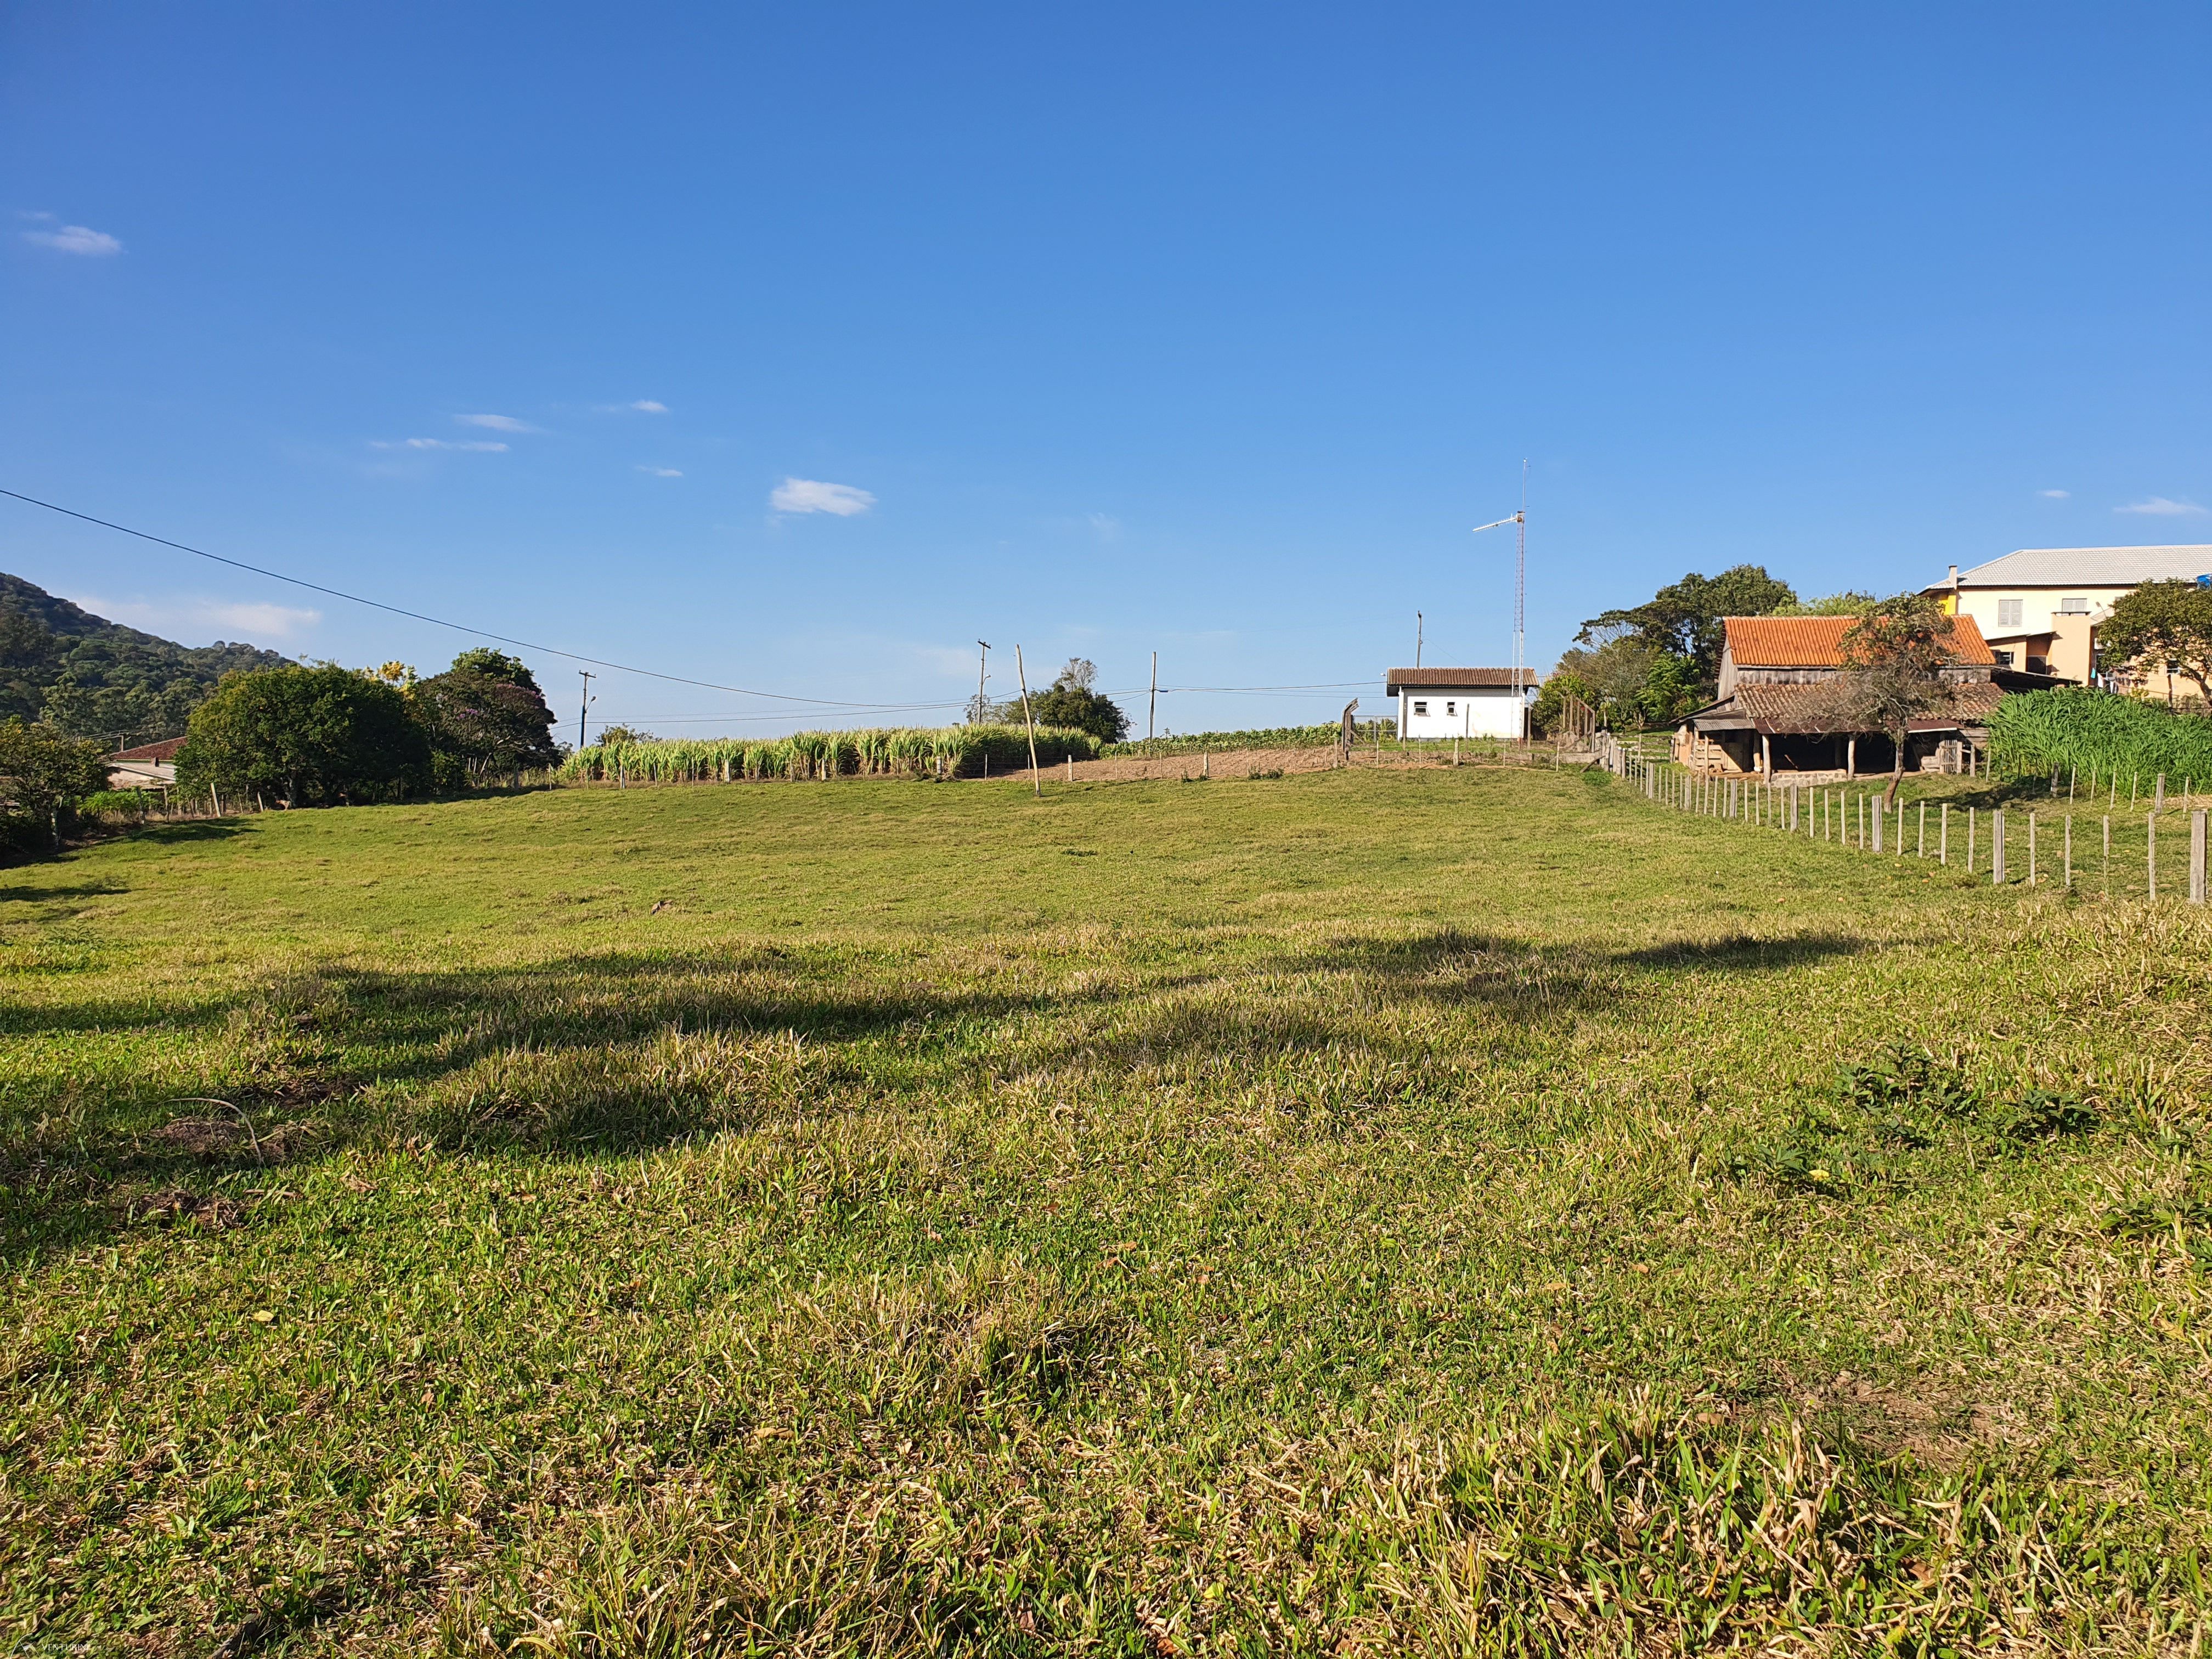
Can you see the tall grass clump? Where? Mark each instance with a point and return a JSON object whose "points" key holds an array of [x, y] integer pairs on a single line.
{"points": [[2099, 735], [965, 752]]}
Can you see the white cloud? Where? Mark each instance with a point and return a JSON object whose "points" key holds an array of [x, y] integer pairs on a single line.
{"points": [[811, 496], [648, 406], [75, 239], [2158, 507], [497, 422], [2049, 495], [204, 619], [1106, 527], [661, 472], [481, 447]]}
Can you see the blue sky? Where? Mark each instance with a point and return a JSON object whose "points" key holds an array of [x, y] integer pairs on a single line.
{"points": [[1206, 330]]}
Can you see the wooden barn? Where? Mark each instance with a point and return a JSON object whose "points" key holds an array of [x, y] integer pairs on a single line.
{"points": [[1769, 717]]}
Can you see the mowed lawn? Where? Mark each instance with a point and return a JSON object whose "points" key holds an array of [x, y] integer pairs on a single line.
{"points": [[1347, 1212]]}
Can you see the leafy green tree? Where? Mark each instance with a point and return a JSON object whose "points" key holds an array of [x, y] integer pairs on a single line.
{"points": [[1546, 714], [1071, 703], [485, 716], [1669, 690], [1684, 617], [44, 774], [1894, 662], [313, 737], [1850, 603], [2160, 622], [614, 736]]}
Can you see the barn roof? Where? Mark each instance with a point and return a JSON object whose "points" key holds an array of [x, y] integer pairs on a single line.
{"points": [[1817, 642], [164, 751], [1803, 709]]}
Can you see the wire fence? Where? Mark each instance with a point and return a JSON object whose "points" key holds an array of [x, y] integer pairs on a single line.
{"points": [[2155, 854]]}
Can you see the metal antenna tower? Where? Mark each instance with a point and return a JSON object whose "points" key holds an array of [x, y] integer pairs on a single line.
{"points": [[1520, 521]]}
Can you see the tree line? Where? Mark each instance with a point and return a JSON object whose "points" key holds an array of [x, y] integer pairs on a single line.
{"points": [[316, 736]]}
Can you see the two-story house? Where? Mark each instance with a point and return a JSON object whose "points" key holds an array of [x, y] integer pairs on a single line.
{"points": [[2038, 608]]}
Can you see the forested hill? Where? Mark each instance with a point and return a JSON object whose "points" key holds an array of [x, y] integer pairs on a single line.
{"points": [[96, 678]]}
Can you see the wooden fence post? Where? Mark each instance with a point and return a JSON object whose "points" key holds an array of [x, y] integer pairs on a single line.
{"points": [[1997, 848], [2108, 855], [1899, 848], [2030, 846], [1943, 837], [2197, 856], [2150, 854], [1880, 818], [1970, 840], [2070, 850]]}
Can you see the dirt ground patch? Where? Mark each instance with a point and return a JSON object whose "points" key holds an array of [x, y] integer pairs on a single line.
{"points": [[1238, 763]]}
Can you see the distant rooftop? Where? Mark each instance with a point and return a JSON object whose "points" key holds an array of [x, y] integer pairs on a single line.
{"points": [[1443, 679], [2087, 567]]}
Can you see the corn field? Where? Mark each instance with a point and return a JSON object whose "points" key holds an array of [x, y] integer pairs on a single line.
{"points": [[958, 751], [2103, 739]]}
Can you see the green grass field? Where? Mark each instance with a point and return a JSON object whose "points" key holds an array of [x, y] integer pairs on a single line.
{"points": [[1454, 1211]]}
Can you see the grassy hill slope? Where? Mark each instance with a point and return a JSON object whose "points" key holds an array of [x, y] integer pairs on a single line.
{"points": [[96, 678], [1356, 1212]]}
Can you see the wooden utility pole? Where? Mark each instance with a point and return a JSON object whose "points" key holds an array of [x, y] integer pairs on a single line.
{"points": [[982, 673], [584, 713], [1152, 707], [1036, 778]]}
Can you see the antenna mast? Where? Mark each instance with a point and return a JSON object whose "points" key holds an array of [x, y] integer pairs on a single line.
{"points": [[1520, 522], [1521, 585]]}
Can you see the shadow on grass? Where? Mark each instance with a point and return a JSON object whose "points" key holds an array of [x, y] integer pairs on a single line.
{"points": [[613, 1052], [25, 893]]}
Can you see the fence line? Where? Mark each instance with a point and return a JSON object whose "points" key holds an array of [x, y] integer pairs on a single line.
{"points": [[1856, 818]]}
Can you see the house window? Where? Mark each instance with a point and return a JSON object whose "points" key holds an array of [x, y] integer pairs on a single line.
{"points": [[1421, 708], [2009, 613], [2075, 605], [2005, 658], [1451, 709]]}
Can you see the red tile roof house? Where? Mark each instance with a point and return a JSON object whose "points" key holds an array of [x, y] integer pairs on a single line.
{"points": [[1766, 720], [149, 766]]}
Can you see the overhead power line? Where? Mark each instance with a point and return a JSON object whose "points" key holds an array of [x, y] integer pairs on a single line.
{"points": [[626, 668], [438, 622]]}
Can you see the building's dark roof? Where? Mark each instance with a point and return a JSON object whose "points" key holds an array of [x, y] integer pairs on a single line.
{"points": [[1800, 708], [1454, 679], [159, 753], [1817, 642]]}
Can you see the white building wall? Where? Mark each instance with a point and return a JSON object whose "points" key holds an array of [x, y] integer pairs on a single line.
{"points": [[1460, 712]]}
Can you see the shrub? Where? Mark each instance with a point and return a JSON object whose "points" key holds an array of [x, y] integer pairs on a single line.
{"points": [[313, 737]]}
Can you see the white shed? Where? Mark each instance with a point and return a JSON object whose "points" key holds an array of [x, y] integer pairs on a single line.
{"points": [[1460, 702]]}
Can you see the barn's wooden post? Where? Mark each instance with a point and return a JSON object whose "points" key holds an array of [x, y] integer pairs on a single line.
{"points": [[1851, 757]]}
